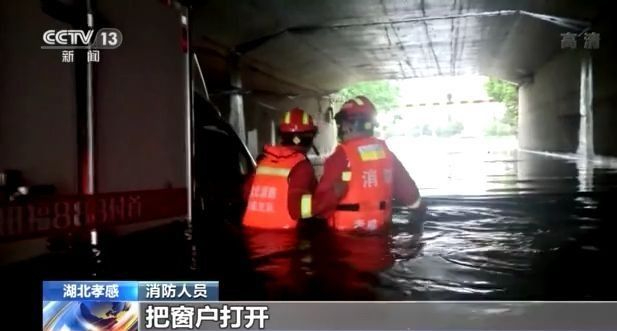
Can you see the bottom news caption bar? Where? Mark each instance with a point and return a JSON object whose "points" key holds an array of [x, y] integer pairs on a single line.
{"points": [[379, 316], [77, 305]]}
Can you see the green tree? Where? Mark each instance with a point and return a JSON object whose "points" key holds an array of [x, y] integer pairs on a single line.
{"points": [[383, 93], [506, 92]]}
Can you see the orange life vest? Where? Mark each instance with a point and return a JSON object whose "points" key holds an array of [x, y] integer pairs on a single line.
{"points": [[368, 202], [267, 203]]}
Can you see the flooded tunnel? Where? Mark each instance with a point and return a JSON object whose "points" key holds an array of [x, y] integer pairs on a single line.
{"points": [[519, 223], [132, 167]]}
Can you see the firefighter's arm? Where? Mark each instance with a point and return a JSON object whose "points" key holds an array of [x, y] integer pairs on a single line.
{"points": [[406, 193], [405, 190], [332, 186]]}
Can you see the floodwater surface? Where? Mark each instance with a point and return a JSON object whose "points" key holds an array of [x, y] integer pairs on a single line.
{"points": [[502, 224]]}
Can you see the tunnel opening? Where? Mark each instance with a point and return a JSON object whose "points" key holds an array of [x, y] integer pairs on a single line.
{"points": [[449, 132]]}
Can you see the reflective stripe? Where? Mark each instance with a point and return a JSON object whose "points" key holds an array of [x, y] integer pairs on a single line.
{"points": [[346, 176], [359, 101], [305, 118], [416, 204], [271, 171], [373, 155], [305, 206], [288, 117], [371, 152]]}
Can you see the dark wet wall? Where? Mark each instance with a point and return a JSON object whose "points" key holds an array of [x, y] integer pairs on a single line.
{"points": [[37, 100], [605, 89]]}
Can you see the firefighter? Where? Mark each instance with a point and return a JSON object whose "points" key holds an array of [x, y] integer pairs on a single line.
{"points": [[279, 192], [362, 177]]}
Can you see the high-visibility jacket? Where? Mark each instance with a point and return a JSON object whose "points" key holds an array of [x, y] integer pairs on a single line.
{"points": [[267, 202], [367, 205]]}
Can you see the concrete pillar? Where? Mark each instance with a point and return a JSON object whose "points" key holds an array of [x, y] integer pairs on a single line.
{"points": [[585, 134], [549, 116], [252, 142], [272, 132], [236, 104], [326, 139]]}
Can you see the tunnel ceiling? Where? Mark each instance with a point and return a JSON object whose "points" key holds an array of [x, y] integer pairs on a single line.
{"points": [[319, 46]]}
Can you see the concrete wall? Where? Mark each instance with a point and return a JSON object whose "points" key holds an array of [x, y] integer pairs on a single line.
{"points": [[138, 97], [549, 106], [140, 100], [37, 100], [605, 90], [139, 106], [259, 119]]}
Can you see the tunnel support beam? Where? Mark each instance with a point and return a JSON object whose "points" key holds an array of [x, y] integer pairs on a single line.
{"points": [[236, 103]]}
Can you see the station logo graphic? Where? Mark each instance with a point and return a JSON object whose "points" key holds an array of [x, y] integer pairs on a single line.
{"points": [[70, 40]]}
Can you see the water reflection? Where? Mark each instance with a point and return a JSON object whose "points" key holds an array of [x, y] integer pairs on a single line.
{"points": [[585, 175], [494, 166], [443, 166], [274, 254], [507, 224]]}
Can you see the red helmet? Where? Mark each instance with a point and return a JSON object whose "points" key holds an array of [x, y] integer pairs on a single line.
{"points": [[297, 121], [360, 106]]}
